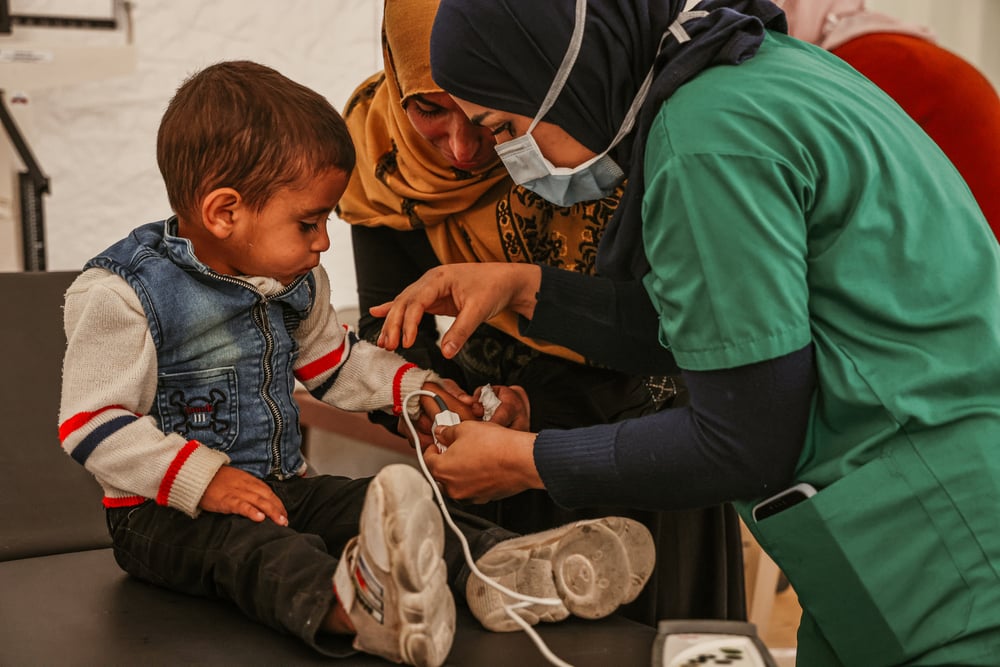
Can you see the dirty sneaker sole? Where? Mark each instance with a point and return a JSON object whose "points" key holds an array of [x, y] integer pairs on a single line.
{"points": [[592, 567]]}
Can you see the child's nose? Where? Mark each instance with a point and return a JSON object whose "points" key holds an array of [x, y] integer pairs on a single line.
{"points": [[321, 243]]}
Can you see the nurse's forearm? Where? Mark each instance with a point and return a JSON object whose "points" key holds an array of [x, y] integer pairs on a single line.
{"points": [[609, 322], [741, 438]]}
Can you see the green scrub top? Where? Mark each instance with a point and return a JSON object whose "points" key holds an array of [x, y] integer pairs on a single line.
{"points": [[789, 201]]}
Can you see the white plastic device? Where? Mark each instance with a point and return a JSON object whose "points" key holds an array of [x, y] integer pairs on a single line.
{"points": [[444, 418], [706, 643]]}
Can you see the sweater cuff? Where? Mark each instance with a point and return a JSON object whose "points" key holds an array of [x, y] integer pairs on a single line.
{"points": [[410, 378], [195, 473], [578, 466]]}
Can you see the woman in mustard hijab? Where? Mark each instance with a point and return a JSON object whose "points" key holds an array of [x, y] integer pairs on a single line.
{"points": [[429, 189]]}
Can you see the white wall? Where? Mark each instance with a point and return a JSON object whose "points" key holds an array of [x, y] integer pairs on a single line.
{"points": [[96, 139]]}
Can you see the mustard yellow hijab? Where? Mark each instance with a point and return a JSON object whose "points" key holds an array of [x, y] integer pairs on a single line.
{"points": [[402, 181]]}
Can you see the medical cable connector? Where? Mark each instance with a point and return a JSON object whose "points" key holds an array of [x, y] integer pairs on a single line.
{"points": [[525, 600], [444, 417]]}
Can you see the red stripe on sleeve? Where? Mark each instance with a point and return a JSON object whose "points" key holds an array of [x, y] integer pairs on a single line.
{"points": [[323, 364], [163, 495], [397, 388], [81, 418], [127, 501]]}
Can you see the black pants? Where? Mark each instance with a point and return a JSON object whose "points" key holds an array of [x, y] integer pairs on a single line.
{"points": [[280, 576]]}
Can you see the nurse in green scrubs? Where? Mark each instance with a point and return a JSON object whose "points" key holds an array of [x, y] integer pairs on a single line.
{"points": [[809, 259]]}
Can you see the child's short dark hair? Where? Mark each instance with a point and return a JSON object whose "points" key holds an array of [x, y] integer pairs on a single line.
{"points": [[243, 125]]}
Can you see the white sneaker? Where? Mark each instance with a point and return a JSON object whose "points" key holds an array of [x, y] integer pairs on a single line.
{"points": [[592, 566], [392, 580]]}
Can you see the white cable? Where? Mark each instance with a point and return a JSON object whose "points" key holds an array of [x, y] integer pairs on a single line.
{"points": [[526, 600]]}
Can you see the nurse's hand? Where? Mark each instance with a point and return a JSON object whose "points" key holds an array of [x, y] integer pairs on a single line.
{"points": [[471, 293], [484, 462]]}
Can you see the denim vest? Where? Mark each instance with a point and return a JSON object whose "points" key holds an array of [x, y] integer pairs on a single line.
{"points": [[225, 351]]}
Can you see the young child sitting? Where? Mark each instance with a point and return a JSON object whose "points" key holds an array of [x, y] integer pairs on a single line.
{"points": [[184, 343]]}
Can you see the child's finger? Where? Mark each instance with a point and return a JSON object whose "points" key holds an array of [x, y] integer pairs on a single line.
{"points": [[268, 505]]}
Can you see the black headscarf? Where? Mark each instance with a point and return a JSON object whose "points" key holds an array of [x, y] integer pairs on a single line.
{"points": [[504, 54]]}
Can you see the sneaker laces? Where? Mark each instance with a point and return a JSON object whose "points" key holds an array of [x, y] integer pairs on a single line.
{"points": [[510, 609]]}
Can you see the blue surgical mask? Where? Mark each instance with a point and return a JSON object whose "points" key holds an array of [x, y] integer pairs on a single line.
{"points": [[563, 186], [598, 177]]}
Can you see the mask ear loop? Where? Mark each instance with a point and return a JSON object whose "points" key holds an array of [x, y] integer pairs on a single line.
{"points": [[565, 67], [676, 29]]}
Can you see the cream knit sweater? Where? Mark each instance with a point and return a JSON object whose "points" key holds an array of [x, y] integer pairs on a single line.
{"points": [[110, 379]]}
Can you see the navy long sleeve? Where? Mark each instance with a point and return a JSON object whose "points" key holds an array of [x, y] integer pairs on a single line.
{"points": [[609, 322], [740, 438]]}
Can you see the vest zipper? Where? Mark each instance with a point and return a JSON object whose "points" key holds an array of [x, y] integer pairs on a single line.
{"points": [[260, 319], [259, 315]]}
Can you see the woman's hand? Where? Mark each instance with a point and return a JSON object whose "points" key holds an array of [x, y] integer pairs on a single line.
{"points": [[472, 293], [484, 462]]}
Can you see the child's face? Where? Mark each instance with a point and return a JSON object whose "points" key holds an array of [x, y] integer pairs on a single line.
{"points": [[284, 240]]}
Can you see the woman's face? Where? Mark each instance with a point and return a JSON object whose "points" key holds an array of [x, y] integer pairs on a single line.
{"points": [[437, 118], [558, 147]]}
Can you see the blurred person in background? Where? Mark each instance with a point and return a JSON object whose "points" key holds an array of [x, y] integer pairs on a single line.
{"points": [[948, 97]]}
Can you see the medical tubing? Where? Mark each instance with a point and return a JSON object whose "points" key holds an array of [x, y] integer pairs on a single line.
{"points": [[525, 599]]}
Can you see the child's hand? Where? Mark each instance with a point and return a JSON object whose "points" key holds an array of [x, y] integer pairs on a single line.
{"points": [[514, 410], [454, 397], [233, 491]]}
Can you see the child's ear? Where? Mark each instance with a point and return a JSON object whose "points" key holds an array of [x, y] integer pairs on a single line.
{"points": [[220, 210]]}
